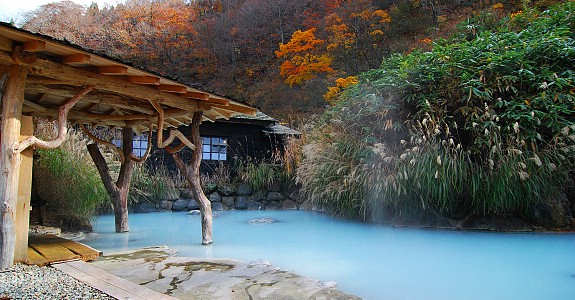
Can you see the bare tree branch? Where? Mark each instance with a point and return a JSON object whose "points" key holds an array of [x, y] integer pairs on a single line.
{"points": [[173, 132], [134, 158], [62, 126], [103, 142]]}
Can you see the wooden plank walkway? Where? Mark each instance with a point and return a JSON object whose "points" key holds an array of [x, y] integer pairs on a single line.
{"points": [[46, 249], [110, 284]]}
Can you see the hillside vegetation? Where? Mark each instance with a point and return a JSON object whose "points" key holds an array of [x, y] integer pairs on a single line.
{"points": [[286, 56], [483, 124]]}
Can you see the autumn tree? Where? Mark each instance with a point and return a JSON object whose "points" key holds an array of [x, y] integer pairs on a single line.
{"points": [[304, 59], [356, 32]]}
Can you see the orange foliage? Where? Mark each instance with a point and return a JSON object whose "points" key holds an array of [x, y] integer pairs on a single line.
{"points": [[302, 64], [340, 84]]}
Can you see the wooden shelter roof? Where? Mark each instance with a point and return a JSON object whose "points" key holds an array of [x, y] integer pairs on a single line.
{"points": [[123, 95]]}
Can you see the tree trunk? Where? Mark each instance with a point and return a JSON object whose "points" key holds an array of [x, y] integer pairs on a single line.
{"points": [[192, 174], [123, 183], [120, 204], [118, 191], [12, 101]]}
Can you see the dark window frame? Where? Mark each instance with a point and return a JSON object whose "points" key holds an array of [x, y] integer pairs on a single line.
{"points": [[214, 148]]}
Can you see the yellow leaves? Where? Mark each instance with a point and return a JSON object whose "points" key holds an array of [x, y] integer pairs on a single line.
{"points": [[426, 41], [301, 41], [304, 67], [497, 6], [340, 84], [515, 14], [341, 37], [303, 64], [383, 15]]}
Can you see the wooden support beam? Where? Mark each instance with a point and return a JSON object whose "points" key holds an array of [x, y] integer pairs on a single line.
{"points": [[34, 46], [24, 192], [197, 95], [41, 98], [172, 88], [96, 98], [224, 113], [76, 59], [151, 80], [222, 102], [75, 76], [44, 80], [89, 107], [209, 117], [6, 44], [238, 109], [103, 117], [112, 70], [34, 105], [12, 102]]}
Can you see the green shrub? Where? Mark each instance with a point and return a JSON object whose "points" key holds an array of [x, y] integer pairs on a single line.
{"points": [[152, 185], [67, 178], [260, 174], [481, 124]]}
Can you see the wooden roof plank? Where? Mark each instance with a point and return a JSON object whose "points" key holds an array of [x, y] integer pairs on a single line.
{"points": [[172, 88], [76, 59], [75, 76], [197, 95], [151, 80], [6, 44], [112, 70], [34, 46]]}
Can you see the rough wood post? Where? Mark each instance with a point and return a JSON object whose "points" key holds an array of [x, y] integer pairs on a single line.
{"points": [[117, 191], [192, 174], [12, 101], [123, 183], [24, 193]]}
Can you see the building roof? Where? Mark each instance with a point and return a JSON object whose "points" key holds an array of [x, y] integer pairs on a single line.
{"points": [[282, 130], [123, 95]]}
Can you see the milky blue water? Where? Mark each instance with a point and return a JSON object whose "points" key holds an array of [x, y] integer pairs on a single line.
{"points": [[368, 260]]}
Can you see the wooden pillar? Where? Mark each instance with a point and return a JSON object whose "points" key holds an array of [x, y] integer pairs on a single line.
{"points": [[24, 192], [12, 101]]}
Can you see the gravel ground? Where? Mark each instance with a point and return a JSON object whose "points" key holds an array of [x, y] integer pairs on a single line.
{"points": [[33, 282]]}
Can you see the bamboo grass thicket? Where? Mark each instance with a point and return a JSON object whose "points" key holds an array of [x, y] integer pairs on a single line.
{"points": [[482, 124]]}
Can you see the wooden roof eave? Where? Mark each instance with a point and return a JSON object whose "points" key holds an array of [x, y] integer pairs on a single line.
{"points": [[121, 90]]}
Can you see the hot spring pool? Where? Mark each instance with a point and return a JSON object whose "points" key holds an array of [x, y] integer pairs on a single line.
{"points": [[367, 260]]}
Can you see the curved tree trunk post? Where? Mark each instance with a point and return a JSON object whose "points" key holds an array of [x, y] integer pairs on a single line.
{"points": [[192, 174], [12, 101], [118, 191], [123, 183]]}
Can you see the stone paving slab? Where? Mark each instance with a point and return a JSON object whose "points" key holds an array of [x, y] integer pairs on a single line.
{"points": [[199, 278]]}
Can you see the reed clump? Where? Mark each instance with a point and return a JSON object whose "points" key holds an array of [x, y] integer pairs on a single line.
{"points": [[66, 178]]}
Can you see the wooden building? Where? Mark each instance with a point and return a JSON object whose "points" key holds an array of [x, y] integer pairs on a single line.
{"points": [[258, 137], [44, 77]]}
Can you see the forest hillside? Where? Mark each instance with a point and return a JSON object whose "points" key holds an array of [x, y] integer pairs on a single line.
{"points": [[289, 57]]}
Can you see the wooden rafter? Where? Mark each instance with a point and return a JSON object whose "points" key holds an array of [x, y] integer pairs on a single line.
{"points": [[150, 80], [34, 46]]}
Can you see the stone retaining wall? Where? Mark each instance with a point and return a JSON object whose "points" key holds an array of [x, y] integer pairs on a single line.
{"points": [[239, 196]]}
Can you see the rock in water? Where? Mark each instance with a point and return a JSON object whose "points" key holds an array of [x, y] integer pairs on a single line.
{"points": [[264, 220]]}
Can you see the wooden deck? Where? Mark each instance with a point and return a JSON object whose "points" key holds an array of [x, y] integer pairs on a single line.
{"points": [[110, 284], [46, 249]]}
